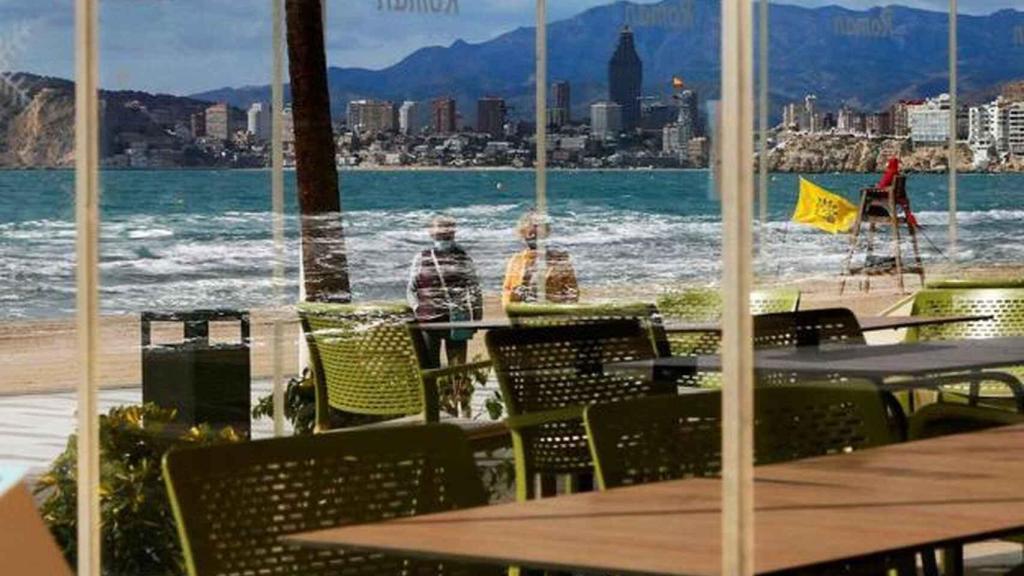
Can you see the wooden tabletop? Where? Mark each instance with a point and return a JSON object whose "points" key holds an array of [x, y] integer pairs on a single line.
{"points": [[867, 323], [812, 512]]}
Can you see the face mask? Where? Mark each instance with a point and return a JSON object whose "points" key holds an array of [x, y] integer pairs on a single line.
{"points": [[531, 243], [443, 245]]}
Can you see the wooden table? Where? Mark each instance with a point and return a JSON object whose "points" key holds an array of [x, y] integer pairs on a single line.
{"points": [[867, 323], [819, 511]]}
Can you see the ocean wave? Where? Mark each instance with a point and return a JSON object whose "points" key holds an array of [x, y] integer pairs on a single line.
{"points": [[216, 249]]}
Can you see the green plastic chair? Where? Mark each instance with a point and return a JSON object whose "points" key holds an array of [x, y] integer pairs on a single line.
{"points": [[942, 419], [658, 439], [234, 502], [665, 438], [548, 375], [367, 361], [546, 314], [704, 306], [1005, 305]]}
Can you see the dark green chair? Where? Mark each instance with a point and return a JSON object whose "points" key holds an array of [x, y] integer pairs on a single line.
{"points": [[818, 327], [658, 439], [704, 306], [367, 361], [548, 375], [234, 502], [943, 419], [546, 314], [1000, 388], [665, 438]]}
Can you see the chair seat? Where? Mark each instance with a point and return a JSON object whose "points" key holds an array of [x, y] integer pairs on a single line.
{"points": [[482, 434]]}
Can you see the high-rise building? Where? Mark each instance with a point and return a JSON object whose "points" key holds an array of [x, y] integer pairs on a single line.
{"points": [[372, 116], [197, 124], [929, 121], [675, 142], [560, 113], [413, 117], [810, 120], [625, 79], [490, 116], [287, 126], [443, 117], [689, 113], [900, 119], [605, 119], [878, 124], [1015, 128], [259, 120], [218, 122]]}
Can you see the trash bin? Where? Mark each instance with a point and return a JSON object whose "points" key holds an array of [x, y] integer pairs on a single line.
{"points": [[206, 383]]}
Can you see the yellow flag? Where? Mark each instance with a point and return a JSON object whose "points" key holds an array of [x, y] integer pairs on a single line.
{"points": [[823, 209]]}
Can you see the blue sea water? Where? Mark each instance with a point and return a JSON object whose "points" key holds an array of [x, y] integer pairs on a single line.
{"points": [[188, 239]]}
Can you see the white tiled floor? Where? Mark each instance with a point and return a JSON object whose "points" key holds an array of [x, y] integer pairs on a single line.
{"points": [[34, 428]]}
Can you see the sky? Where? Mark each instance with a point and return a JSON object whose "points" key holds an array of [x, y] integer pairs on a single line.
{"points": [[187, 46]]}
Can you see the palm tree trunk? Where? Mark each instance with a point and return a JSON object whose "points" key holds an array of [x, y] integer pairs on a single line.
{"points": [[324, 260]]}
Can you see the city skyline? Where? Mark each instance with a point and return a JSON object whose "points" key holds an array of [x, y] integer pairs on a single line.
{"points": [[232, 39]]}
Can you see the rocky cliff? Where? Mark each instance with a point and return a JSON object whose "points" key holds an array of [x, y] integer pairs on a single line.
{"points": [[37, 117], [40, 132], [810, 153]]}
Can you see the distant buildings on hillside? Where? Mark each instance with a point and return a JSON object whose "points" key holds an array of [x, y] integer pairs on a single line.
{"points": [[994, 130], [623, 128]]}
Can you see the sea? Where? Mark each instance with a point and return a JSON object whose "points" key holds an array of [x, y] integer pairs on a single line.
{"points": [[190, 239]]}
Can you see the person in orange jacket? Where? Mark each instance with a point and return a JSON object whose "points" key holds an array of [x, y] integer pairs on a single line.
{"points": [[521, 274]]}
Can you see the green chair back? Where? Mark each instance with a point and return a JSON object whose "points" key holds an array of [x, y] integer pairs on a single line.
{"points": [[971, 283], [548, 374], [547, 314], [704, 305], [665, 438], [234, 502], [820, 327], [942, 419], [363, 359], [1005, 305]]}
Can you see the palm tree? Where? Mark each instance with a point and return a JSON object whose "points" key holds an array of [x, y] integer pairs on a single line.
{"points": [[324, 260]]}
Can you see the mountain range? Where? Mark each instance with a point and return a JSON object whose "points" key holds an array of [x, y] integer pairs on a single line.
{"points": [[866, 59]]}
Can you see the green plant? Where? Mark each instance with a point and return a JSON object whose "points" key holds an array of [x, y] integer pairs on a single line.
{"points": [[139, 534], [299, 404], [455, 392]]}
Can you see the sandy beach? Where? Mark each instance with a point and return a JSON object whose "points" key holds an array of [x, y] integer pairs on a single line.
{"points": [[39, 355]]}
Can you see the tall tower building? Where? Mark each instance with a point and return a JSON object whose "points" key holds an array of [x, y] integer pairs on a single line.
{"points": [[413, 117], [625, 79], [218, 121], [689, 115], [560, 113], [259, 121], [490, 116], [443, 116]]}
